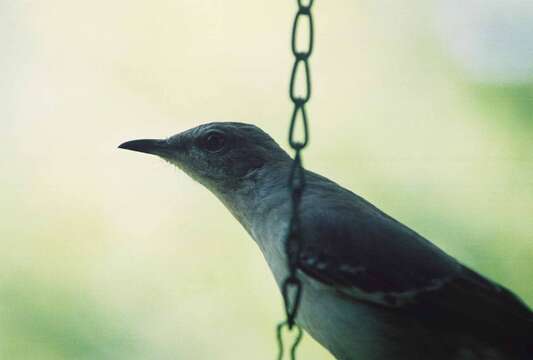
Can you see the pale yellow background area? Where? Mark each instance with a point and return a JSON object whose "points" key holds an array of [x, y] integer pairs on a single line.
{"points": [[108, 254]]}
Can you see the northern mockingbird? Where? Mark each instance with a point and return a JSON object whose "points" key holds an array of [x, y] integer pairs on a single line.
{"points": [[372, 287]]}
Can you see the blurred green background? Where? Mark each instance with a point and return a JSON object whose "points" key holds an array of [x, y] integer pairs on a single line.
{"points": [[424, 108]]}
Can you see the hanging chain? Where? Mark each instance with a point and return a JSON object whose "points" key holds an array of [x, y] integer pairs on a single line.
{"points": [[292, 286]]}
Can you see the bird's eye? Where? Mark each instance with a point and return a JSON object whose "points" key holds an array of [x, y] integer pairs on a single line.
{"points": [[214, 141]]}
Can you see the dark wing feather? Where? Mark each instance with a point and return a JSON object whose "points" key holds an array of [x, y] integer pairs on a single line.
{"points": [[477, 304], [368, 256]]}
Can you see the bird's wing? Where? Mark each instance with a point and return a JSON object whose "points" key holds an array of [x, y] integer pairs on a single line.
{"points": [[465, 298], [367, 256]]}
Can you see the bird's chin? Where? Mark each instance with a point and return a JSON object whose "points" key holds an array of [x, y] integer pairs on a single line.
{"points": [[179, 164], [171, 160]]}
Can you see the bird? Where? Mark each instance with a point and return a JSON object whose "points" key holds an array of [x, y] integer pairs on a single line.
{"points": [[373, 288]]}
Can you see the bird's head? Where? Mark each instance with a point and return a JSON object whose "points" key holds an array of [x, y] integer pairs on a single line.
{"points": [[219, 155]]}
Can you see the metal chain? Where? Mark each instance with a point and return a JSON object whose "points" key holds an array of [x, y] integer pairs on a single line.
{"points": [[292, 285]]}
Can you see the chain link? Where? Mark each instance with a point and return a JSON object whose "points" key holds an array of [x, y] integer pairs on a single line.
{"points": [[292, 285]]}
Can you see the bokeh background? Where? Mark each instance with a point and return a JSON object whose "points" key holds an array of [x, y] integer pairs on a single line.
{"points": [[423, 107]]}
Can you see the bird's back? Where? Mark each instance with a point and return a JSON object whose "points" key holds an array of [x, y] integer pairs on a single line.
{"points": [[368, 257]]}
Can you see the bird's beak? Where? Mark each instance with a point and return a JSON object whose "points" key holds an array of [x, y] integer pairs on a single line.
{"points": [[149, 146]]}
